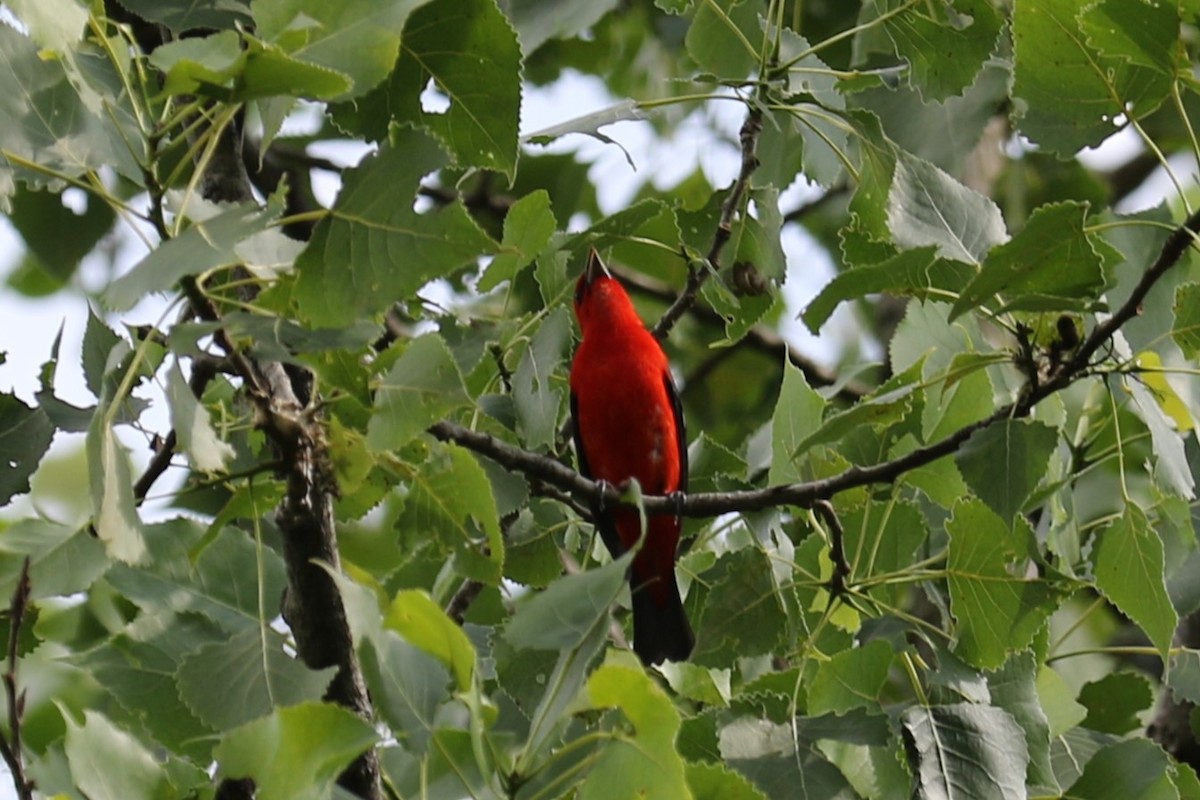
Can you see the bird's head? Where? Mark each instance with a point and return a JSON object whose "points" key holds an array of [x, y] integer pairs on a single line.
{"points": [[595, 288]]}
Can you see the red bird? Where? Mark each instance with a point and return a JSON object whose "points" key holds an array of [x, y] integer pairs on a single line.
{"points": [[629, 424]]}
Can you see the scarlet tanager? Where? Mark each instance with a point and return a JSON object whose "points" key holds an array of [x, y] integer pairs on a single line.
{"points": [[629, 424]]}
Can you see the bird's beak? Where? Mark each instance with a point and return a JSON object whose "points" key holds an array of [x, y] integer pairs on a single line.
{"points": [[595, 267]]}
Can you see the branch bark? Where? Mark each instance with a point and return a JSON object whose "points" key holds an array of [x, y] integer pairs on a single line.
{"points": [[709, 504]]}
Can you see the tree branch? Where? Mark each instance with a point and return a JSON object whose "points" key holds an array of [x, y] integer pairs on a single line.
{"points": [[710, 504], [10, 746]]}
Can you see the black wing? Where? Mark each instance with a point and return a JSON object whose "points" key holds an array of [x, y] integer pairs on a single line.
{"points": [[680, 430], [600, 517]]}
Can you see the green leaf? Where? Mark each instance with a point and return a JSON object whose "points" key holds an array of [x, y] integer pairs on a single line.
{"points": [[850, 679], [1115, 702], [767, 754], [724, 38], [997, 609], [1004, 462], [1068, 94], [186, 15], [221, 582], [965, 398], [114, 508], [645, 763], [357, 38], [373, 248], [965, 750], [468, 49], [41, 218], [54, 24], [528, 226], [210, 243], [1014, 689], [1183, 678], [797, 412], [63, 559], [881, 539], [1186, 330], [568, 610], [25, 436], [1127, 560], [451, 499], [109, 764], [48, 123], [295, 753], [945, 43], [916, 273], [743, 613], [714, 782], [927, 207], [886, 406], [256, 677], [415, 616], [138, 667], [205, 450], [1051, 258], [419, 389], [407, 687], [1142, 33], [536, 394], [1171, 466], [538, 21], [1131, 770]]}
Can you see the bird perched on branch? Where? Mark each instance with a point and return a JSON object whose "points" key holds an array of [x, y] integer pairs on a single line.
{"points": [[629, 425]]}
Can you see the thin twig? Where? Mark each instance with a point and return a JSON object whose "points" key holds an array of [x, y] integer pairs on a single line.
{"points": [[837, 547], [748, 136], [758, 337], [204, 369], [10, 746]]}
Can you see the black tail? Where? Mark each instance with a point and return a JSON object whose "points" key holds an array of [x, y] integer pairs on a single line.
{"points": [[661, 632]]}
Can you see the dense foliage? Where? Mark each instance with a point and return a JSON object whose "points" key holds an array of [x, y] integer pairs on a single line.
{"points": [[331, 539]]}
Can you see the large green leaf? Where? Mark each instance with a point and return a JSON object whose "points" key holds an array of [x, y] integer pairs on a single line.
{"points": [[297, 752], [743, 612], [110, 764], [208, 244], [797, 413], [997, 608], [48, 122], [186, 15], [918, 272], [1128, 563], [257, 676], [1132, 770], [193, 427], [373, 249], [1069, 95], [451, 501], [850, 679], [538, 397], [357, 38], [139, 668], [644, 764], [538, 21], [25, 436], [724, 38], [221, 581], [945, 43], [420, 388], [528, 226], [927, 207], [966, 750], [1004, 462], [1050, 265], [114, 508], [469, 51], [407, 687], [1014, 689]]}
